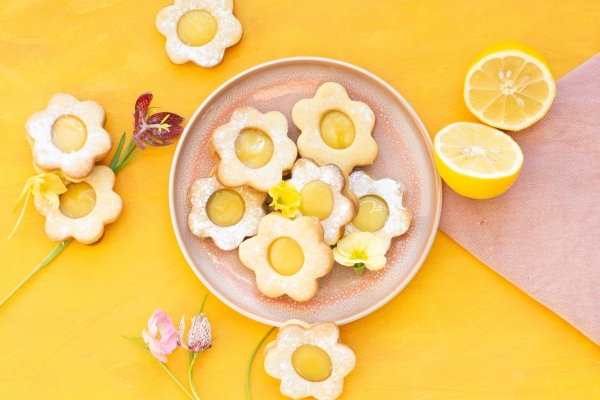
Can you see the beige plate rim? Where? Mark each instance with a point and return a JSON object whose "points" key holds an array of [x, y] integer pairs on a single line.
{"points": [[426, 139]]}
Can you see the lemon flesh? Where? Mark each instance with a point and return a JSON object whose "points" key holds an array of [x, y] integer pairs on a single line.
{"points": [[509, 86], [475, 160]]}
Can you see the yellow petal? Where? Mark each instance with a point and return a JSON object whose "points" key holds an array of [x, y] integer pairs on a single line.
{"points": [[285, 199], [341, 258], [52, 199], [23, 193], [54, 184], [375, 247], [375, 262]]}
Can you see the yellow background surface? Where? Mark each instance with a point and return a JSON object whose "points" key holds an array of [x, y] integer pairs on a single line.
{"points": [[458, 330]]}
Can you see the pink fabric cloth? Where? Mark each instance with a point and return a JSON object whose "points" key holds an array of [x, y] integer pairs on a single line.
{"points": [[543, 234]]}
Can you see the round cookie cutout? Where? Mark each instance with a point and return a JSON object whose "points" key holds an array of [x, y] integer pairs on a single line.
{"points": [[214, 12], [307, 232], [345, 205], [294, 334], [308, 115], [89, 228], [232, 172], [225, 237], [392, 192], [79, 163]]}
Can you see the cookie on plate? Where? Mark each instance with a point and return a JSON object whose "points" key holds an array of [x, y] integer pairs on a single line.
{"points": [[382, 211], [335, 129], [287, 256], [227, 215], [252, 149], [324, 195]]}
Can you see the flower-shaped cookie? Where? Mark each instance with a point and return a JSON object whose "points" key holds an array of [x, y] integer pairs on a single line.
{"points": [[88, 229], [324, 195], [335, 129], [68, 135], [219, 213], [199, 30], [261, 141], [382, 211], [303, 354], [287, 256]]}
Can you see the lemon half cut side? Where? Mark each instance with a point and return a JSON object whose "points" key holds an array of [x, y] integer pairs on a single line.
{"points": [[509, 86], [475, 160]]}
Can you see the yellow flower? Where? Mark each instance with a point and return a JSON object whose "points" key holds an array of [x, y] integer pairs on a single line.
{"points": [[285, 199], [359, 250], [48, 185]]}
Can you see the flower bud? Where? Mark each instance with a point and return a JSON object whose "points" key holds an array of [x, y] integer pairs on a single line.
{"points": [[199, 337]]}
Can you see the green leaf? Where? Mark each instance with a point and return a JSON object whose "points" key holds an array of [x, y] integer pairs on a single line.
{"points": [[115, 159], [126, 161], [359, 268], [202, 305]]}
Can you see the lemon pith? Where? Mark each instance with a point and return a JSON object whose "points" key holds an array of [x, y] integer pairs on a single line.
{"points": [[476, 160], [509, 86]]}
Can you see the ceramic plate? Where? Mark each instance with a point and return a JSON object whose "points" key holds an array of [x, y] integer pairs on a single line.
{"points": [[405, 154]]}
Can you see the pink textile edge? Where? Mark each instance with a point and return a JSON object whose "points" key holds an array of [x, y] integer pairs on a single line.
{"points": [[565, 278]]}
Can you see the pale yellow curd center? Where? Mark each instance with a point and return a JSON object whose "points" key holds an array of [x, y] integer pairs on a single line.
{"points": [[317, 200], [196, 28], [253, 148], [225, 207], [312, 363], [337, 130], [286, 256], [78, 201], [68, 133], [372, 214]]}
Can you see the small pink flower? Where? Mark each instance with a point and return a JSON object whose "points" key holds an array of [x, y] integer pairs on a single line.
{"points": [[160, 335], [199, 337]]}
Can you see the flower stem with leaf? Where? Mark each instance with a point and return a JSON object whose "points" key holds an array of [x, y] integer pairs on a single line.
{"points": [[152, 130]]}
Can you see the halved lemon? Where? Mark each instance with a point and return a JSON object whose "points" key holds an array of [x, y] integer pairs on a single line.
{"points": [[509, 86], [475, 160]]}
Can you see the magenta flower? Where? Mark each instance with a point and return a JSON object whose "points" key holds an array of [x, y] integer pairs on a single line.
{"points": [[160, 335], [199, 337], [157, 129]]}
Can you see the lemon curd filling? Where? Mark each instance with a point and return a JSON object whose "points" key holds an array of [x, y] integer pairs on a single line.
{"points": [[317, 200], [196, 28], [372, 214], [68, 133], [285, 256], [253, 148], [225, 207], [78, 201], [312, 363], [337, 130]]}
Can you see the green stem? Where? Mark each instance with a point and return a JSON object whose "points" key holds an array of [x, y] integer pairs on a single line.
{"points": [[191, 375], [20, 216], [162, 365], [248, 395], [129, 149], [126, 161], [116, 167], [56, 251], [115, 159], [202, 305]]}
